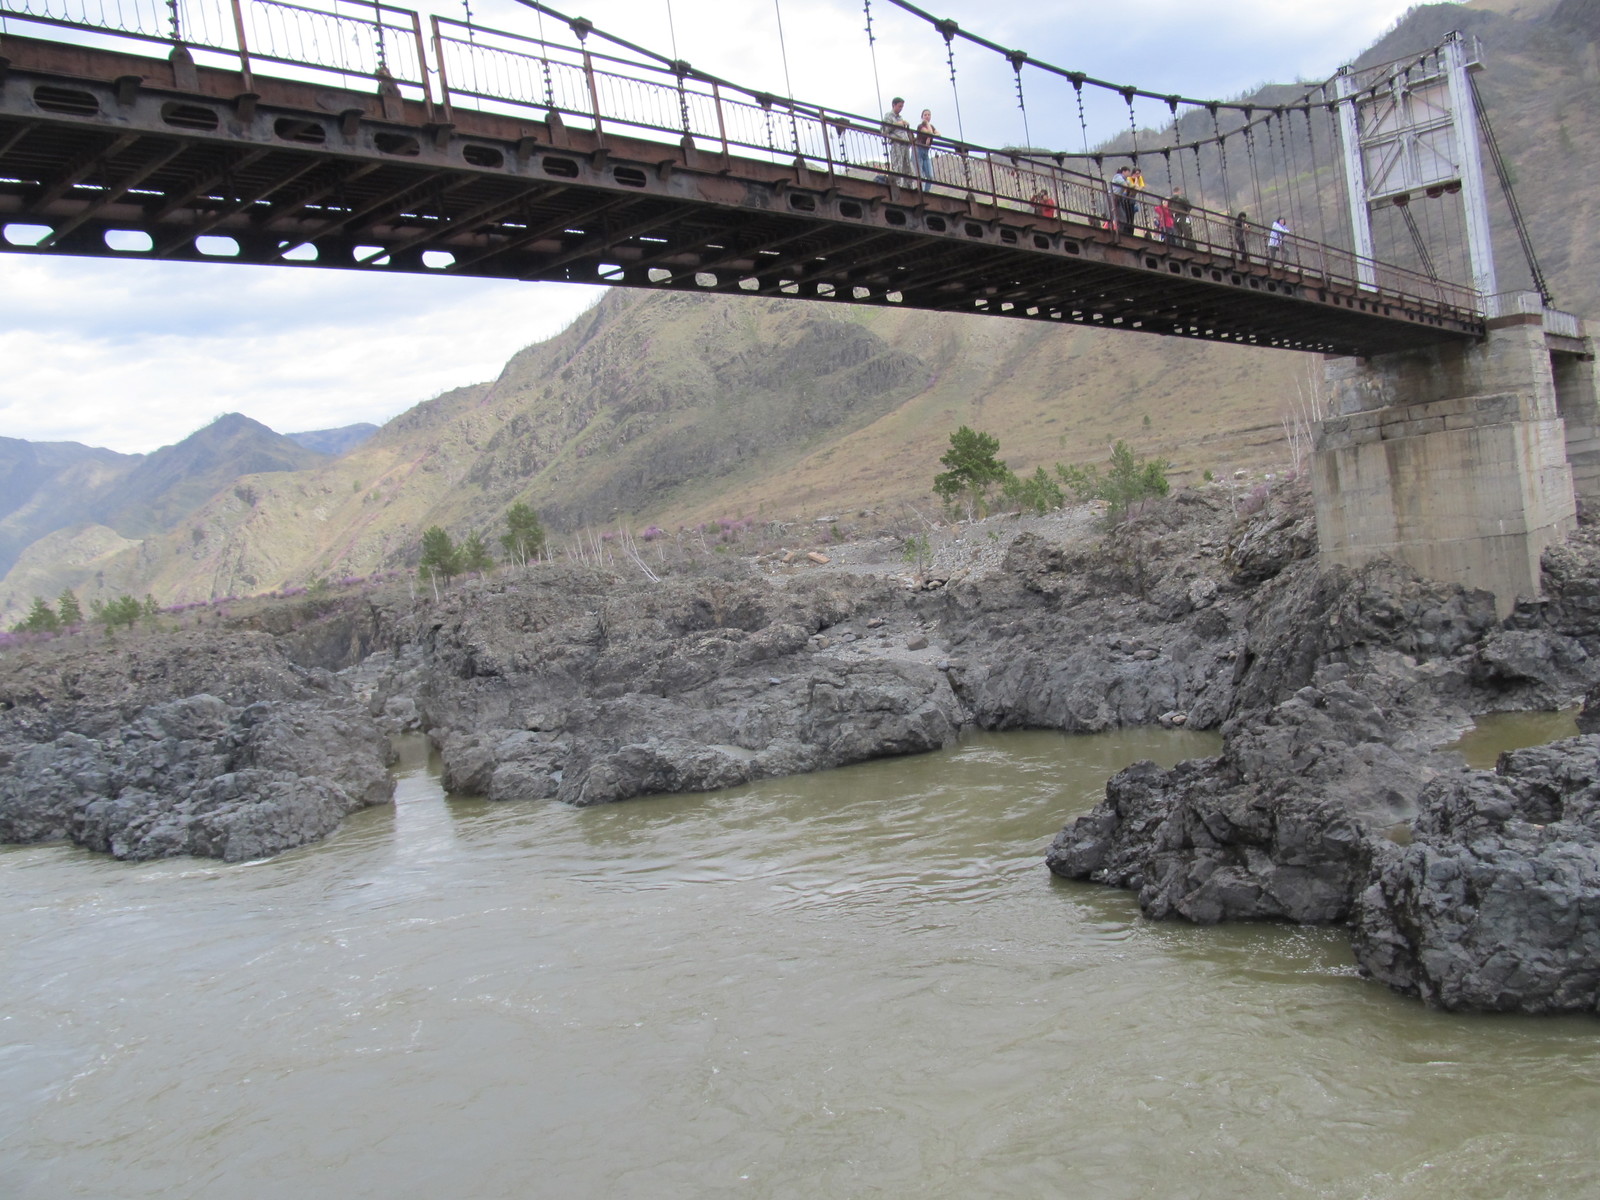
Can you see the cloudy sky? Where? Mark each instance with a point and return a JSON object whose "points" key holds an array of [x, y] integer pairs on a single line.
{"points": [[135, 355]]}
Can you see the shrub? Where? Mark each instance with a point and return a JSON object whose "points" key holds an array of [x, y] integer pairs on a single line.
{"points": [[1128, 483], [1037, 492]]}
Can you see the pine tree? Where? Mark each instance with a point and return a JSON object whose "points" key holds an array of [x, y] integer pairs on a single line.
{"points": [[475, 554], [124, 610], [973, 469], [440, 558], [41, 618], [71, 611], [525, 541]]}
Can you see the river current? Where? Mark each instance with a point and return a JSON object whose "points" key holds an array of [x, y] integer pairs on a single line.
{"points": [[861, 983]]}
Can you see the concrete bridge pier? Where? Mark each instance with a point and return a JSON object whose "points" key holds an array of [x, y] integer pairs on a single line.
{"points": [[1466, 459]]}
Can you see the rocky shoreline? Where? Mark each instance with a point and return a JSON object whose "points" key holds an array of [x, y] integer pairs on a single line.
{"points": [[584, 685]]}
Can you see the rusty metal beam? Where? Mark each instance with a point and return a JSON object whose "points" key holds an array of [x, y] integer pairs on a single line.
{"points": [[388, 202], [200, 187], [239, 205], [79, 169], [342, 179], [550, 229], [487, 212], [114, 194]]}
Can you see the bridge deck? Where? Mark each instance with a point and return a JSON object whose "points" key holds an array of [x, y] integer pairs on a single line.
{"points": [[95, 141]]}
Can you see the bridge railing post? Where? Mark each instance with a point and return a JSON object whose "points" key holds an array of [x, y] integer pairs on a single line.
{"points": [[422, 65], [444, 77], [594, 97], [827, 142], [244, 47], [722, 126]]}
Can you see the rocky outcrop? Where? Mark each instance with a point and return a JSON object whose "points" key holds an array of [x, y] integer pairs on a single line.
{"points": [[1277, 827], [1142, 623], [1488, 896], [131, 755], [599, 690], [1495, 904]]}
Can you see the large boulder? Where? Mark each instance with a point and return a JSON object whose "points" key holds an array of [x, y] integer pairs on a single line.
{"points": [[1495, 904], [104, 749], [1196, 842], [1279, 826]]}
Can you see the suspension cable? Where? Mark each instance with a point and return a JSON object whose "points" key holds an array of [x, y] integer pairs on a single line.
{"points": [[681, 70], [872, 49], [672, 30], [1166, 155], [1255, 175], [1278, 158], [1504, 175], [1017, 58], [1416, 240], [544, 59], [1222, 154], [1316, 178], [1133, 125], [955, 30], [1083, 121], [783, 49], [949, 29]]}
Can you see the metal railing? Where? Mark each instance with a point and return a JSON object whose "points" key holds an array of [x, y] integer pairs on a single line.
{"points": [[364, 39], [628, 88]]}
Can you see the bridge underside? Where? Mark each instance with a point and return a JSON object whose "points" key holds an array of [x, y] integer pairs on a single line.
{"points": [[97, 144]]}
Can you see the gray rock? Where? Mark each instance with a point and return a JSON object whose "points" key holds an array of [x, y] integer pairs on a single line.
{"points": [[1195, 844], [1495, 904], [276, 760]]}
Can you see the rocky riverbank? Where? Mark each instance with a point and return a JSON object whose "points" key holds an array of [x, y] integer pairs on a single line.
{"points": [[590, 685]]}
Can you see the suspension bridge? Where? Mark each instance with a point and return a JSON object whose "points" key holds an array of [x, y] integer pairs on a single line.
{"points": [[365, 136], [1462, 429]]}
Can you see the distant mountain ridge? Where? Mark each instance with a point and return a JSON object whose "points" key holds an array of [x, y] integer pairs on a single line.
{"points": [[668, 407], [45, 486], [334, 442], [117, 499]]}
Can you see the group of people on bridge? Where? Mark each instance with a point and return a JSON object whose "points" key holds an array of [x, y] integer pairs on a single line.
{"points": [[1135, 210], [902, 139], [1130, 207]]}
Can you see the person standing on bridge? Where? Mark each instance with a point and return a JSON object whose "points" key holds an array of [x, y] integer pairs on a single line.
{"points": [[925, 135], [1165, 222], [1182, 220], [897, 140], [1122, 201], [1136, 190], [1241, 237], [1275, 240]]}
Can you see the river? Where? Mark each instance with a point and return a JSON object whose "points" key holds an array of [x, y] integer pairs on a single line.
{"points": [[862, 983]]}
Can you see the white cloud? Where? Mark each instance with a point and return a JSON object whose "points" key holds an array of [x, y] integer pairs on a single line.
{"points": [[137, 355], [134, 355]]}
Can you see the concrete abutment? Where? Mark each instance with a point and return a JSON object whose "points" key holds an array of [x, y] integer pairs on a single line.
{"points": [[1462, 460]]}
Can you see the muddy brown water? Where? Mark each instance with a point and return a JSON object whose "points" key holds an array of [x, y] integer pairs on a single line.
{"points": [[861, 983]]}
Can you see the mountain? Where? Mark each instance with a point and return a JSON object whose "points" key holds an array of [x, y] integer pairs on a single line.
{"points": [[45, 486], [334, 442], [77, 514], [173, 481], [672, 408]]}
